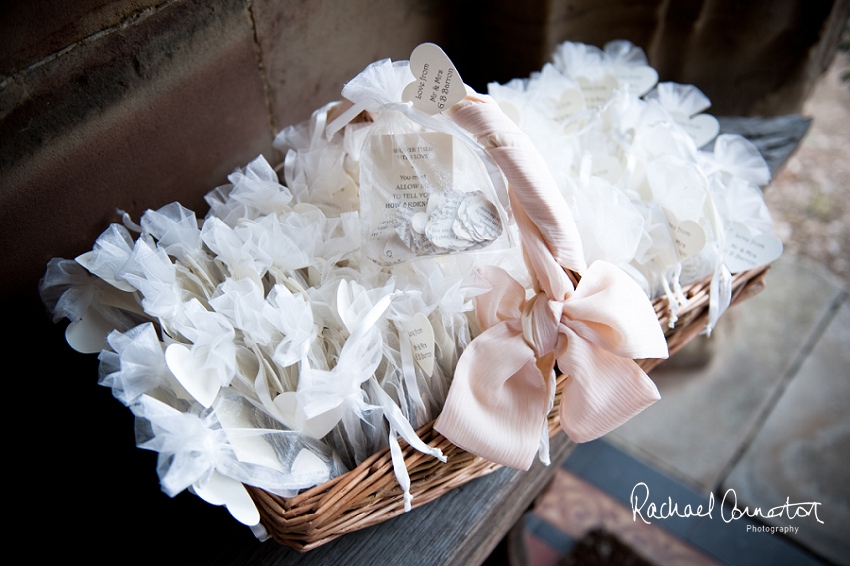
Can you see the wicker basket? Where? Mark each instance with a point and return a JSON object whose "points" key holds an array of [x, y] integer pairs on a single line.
{"points": [[369, 494]]}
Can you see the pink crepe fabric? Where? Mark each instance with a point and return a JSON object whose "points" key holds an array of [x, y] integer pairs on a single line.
{"points": [[502, 388]]}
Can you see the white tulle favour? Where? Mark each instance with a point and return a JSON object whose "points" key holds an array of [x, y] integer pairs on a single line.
{"points": [[206, 360], [740, 201], [135, 365], [292, 318], [426, 187], [735, 171], [685, 100], [643, 194], [275, 315], [340, 240], [237, 249], [71, 292], [111, 251], [195, 443], [324, 396], [734, 157], [258, 345], [253, 191], [176, 230], [685, 104], [628, 63], [595, 71], [580, 60], [610, 225], [379, 85], [413, 397], [318, 170], [152, 272], [242, 302], [546, 97]]}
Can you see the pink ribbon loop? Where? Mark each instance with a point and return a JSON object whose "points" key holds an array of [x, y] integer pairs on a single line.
{"points": [[498, 402]]}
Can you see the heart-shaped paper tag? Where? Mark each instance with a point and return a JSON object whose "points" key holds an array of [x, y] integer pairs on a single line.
{"points": [[343, 305], [688, 235], [608, 167], [438, 85], [222, 490], [200, 383], [745, 250], [250, 449], [421, 336], [307, 464], [570, 102], [640, 79], [88, 335], [702, 128], [596, 93], [324, 412]]}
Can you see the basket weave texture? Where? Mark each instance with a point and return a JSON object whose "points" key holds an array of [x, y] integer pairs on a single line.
{"points": [[369, 494]]}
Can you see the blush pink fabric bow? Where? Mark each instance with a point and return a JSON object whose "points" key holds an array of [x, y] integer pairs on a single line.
{"points": [[503, 388]]}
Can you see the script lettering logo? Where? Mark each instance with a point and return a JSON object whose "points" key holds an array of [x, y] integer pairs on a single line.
{"points": [[640, 497], [791, 510], [645, 509]]}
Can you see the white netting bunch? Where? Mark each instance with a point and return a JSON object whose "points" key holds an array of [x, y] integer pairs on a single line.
{"points": [[258, 346], [629, 163]]}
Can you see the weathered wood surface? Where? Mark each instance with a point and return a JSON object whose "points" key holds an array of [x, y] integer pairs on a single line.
{"points": [[460, 528]]}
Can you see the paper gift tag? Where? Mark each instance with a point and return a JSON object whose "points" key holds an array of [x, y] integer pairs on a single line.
{"points": [[596, 93], [688, 235], [608, 167], [314, 272], [309, 465], [745, 250], [438, 85], [571, 102], [200, 383], [343, 305], [325, 413], [295, 287], [411, 171], [312, 211], [421, 336], [251, 449], [222, 490], [702, 128], [88, 335], [572, 125], [640, 79]]}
